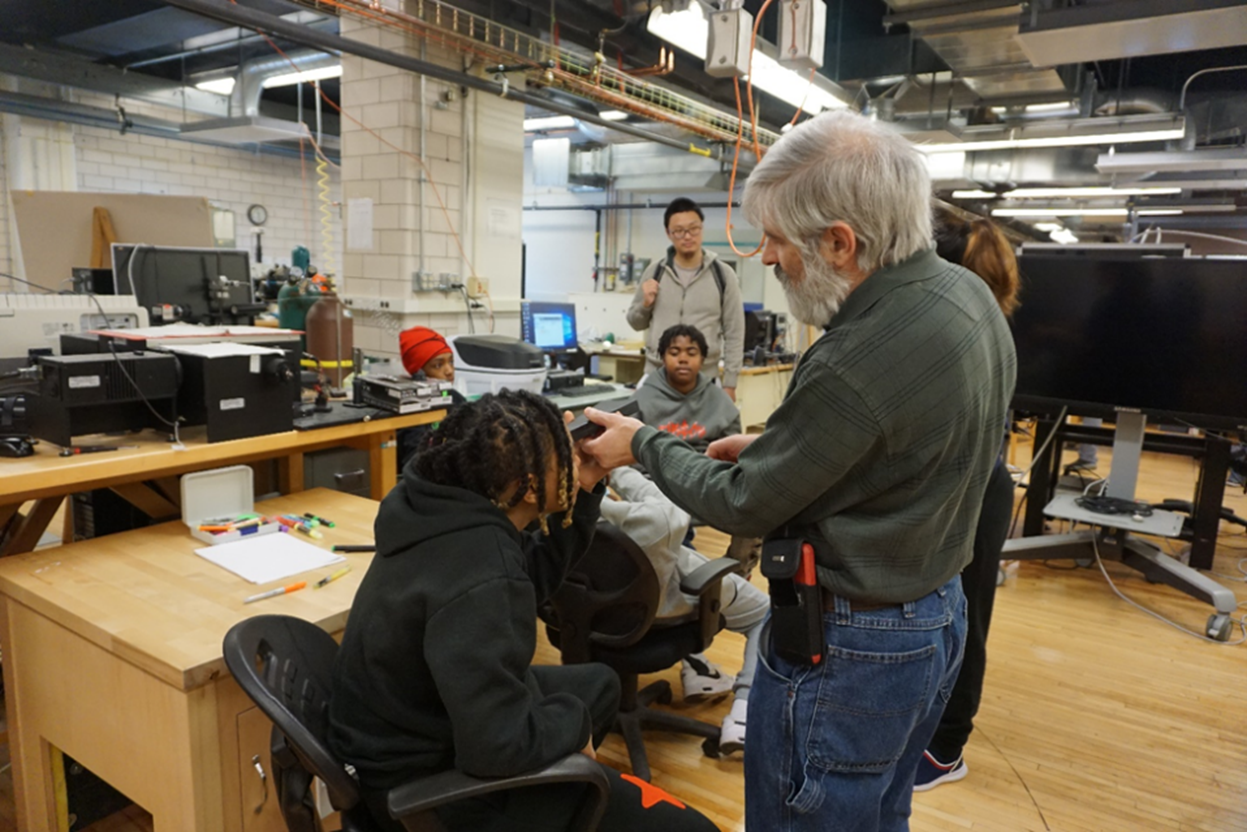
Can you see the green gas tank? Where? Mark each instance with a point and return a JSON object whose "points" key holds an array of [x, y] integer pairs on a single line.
{"points": [[293, 301]]}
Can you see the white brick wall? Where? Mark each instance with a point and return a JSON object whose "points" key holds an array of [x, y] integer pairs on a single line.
{"points": [[229, 177]]}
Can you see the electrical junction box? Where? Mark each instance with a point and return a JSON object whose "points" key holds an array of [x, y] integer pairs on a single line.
{"points": [[727, 50], [802, 33]]}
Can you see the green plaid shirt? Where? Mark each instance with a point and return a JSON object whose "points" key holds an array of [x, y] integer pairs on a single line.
{"points": [[884, 441]]}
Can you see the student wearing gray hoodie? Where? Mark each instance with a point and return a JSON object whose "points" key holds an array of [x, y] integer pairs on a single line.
{"points": [[658, 526], [677, 399]]}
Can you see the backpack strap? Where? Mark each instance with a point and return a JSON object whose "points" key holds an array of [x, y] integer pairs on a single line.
{"points": [[715, 266]]}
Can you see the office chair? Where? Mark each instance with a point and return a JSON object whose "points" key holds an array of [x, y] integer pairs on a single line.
{"points": [[605, 612], [284, 664]]}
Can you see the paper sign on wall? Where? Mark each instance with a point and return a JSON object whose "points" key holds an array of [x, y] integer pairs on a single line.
{"points": [[359, 224], [503, 220]]}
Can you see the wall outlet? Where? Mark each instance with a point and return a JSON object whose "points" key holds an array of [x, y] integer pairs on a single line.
{"points": [[478, 287]]}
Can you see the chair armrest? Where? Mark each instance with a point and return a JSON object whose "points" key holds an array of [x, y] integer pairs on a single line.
{"points": [[411, 800], [707, 575], [706, 582]]}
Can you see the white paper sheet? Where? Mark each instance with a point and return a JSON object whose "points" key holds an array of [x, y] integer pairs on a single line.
{"points": [[359, 224], [269, 557]]}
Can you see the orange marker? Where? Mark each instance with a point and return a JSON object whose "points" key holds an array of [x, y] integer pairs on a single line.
{"points": [[273, 593]]}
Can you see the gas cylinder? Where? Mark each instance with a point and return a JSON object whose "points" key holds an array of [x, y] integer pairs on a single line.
{"points": [[293, 301], [331, 336]]}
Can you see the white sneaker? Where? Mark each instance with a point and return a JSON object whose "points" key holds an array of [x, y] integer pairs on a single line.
{"points": [[732, 734], [702, 679]]}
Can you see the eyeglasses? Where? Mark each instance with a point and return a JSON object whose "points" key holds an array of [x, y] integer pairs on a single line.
{"points": [[685, 232]]}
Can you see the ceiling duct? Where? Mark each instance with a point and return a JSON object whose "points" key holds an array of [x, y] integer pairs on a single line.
{"points": [[1130, 28], [245, 100], [978, 41]]}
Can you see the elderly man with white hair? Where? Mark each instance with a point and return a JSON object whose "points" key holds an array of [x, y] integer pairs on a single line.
{"points": [[873, 468]]}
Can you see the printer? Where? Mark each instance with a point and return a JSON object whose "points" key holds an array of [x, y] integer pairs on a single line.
{"points": [[489, 363]]}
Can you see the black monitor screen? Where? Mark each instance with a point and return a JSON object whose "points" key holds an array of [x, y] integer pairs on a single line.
{"points": [[549, 326], [1165, 336], [204, 281]]}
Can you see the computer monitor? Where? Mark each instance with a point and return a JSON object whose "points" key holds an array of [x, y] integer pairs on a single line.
{"points": [[1164, 336], [195, 285], [550, 327]]}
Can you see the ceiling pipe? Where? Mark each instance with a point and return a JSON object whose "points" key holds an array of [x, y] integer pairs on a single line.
{"points": [[236, 15], [33, 106]]}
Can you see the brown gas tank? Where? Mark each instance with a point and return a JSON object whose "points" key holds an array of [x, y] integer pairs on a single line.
{"points": [[331, 337]]}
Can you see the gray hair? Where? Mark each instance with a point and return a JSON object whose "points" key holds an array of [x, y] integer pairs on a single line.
{"points": [[844, 167]]}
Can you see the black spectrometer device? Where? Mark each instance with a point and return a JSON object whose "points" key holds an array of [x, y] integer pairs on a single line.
{"points": [[237, 395], [81, 394]]}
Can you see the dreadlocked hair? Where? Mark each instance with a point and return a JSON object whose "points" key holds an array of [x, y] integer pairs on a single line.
{"points": [[488, 445]]}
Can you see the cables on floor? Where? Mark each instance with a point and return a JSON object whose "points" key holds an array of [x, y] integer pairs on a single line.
{"points": [[1242, 624]]}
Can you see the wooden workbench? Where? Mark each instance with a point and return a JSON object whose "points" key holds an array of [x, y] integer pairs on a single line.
{"points": [[47, 478], [112, 654], [759, 390]]}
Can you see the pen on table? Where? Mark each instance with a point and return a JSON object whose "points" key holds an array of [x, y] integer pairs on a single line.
{"points": [[332, 577], [320, 520], [273, 593], [337, 547], [92, 449]]}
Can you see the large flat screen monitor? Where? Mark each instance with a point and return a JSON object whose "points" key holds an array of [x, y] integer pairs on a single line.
{"points": [[1165, 336], [206, 283], [551, 327]]}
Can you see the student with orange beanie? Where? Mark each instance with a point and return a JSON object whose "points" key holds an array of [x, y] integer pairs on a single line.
{"points": [[425, 355]]}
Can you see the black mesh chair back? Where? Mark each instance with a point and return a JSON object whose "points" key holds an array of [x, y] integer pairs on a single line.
{"points": [[284, 664], [608, 600], [606, 611]]}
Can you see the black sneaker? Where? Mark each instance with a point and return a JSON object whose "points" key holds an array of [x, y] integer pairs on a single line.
{"points": [[931, 772]]}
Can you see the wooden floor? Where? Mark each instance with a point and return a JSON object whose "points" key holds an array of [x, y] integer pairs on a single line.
{"points": [[1095, 717]]}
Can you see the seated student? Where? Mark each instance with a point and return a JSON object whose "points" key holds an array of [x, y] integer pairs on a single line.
{"points": [[676, 398], [435, 668], [426, 355], [658, 526]]}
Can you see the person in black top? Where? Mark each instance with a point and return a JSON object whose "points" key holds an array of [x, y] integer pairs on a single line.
{"points": [[982, 248], [435, 668]]}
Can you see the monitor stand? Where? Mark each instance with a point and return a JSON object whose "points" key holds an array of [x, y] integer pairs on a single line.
{"points": [[1111, 533]]}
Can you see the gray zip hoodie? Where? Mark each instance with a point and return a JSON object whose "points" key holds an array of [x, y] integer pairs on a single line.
{"points": [[721, 319], [699, 417]]}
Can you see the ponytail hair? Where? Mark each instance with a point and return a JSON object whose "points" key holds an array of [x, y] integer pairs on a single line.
{"points": [[981, 247]]}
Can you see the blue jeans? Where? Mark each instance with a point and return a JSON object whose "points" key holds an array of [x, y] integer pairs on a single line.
{"points": [[836, 746]]}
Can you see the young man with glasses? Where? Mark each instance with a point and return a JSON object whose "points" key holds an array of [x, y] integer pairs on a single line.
{"points": [[691, 286]]}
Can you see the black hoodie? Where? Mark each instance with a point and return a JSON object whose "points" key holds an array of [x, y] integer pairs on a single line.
{"points": [[434, 673]]}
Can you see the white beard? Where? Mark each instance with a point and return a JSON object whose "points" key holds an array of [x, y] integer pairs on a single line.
{"points": [[817, 298]]}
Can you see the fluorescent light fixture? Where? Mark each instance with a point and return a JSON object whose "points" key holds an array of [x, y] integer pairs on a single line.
{"points": [[790, 86], [221, 86], [1058, 212], [303, 77], [1063, 133], [613, 115], [549, 123], [689, 30], [1158, 212], [1051, 107], [1174, 161], [1071, 193], [1065, 193]]}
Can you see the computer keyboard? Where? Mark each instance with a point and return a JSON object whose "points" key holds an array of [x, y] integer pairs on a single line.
{"points": [[583, 390]]}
